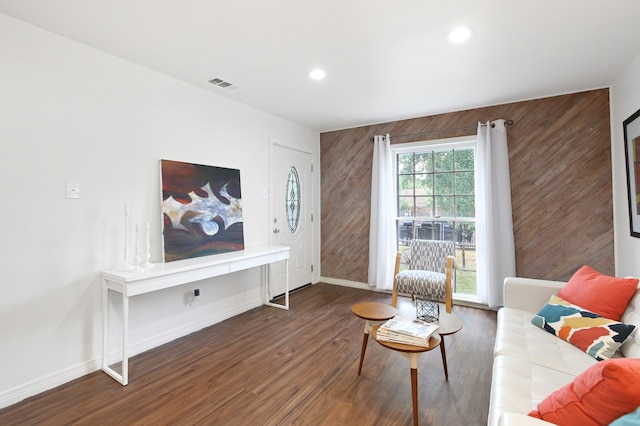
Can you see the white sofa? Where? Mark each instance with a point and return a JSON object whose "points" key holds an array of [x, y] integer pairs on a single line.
{"points": [[530, 363]]}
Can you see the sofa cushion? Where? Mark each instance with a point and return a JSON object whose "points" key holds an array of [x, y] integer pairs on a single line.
{"points": [[631, 347], [518, 385], [427, 284], [600, 395], [597, 336], [605, 295], [517, 337]]}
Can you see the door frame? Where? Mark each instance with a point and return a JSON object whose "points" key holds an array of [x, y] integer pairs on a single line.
{"points": [[313, 228]]}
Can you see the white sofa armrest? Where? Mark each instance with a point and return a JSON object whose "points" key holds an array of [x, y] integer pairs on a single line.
{"points": [[529, 294], [515, 419]]}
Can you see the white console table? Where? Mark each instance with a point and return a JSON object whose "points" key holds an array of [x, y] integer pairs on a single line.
{"points": [[165, 275]]}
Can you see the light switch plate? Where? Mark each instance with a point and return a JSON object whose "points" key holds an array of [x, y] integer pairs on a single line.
{"points": [[73, 189]]}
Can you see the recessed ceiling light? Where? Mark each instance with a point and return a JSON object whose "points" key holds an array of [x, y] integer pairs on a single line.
{"points": [[317, 74], [459, 35]]}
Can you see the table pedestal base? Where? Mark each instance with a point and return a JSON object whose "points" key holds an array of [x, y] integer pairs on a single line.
{"points": [[412, 353]]}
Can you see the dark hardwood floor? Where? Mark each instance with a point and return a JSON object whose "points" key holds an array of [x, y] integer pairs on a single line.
{"points": [[269, 367]]}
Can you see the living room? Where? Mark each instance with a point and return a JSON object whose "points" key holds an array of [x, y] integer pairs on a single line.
{"points": [[72, 112]]}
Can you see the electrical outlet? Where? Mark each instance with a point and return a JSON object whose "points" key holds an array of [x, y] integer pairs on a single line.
{"points": [[195, 297]]}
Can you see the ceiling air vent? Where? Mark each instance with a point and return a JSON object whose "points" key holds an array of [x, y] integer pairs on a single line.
{"points": [[223, 84]]}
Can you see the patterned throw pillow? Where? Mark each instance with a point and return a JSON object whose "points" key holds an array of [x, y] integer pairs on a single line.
{"points": [[597, 336]]}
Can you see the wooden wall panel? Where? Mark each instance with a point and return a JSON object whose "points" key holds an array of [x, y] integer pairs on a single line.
{"points": [[559, 153]]}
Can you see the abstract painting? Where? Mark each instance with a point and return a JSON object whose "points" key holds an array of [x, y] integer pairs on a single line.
{"points": [[201, 210], [631, 128]]}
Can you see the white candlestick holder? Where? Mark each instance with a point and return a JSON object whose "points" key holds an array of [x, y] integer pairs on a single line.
{"points": [[147, 256], [138, 259], [126, 264]]}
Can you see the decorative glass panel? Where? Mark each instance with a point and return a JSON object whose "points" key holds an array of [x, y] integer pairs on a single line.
{"points": [[292, 199]]}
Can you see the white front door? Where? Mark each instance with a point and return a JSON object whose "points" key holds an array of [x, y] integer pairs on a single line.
{"points": [[291, 214]]}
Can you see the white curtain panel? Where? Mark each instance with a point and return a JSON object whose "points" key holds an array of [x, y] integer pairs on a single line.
{"points": [[494, 223], [382, 235]]}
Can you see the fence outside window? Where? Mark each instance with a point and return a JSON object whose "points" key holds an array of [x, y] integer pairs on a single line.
{"points": [[462, 233]]}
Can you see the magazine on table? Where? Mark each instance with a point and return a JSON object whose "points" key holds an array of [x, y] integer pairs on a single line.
{"points": [[405, 330]]}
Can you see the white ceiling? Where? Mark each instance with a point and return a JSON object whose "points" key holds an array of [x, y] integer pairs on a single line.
{"points": [[385, 59]]}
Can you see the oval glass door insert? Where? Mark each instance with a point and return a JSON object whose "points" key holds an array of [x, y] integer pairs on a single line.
{"points": [[292, 199]]}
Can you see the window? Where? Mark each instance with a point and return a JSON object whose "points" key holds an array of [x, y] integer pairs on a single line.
{"points": [[435, 198]]}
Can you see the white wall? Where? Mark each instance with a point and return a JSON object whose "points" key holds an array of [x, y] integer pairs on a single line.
{"points": [[70, 112], [625, 100]]}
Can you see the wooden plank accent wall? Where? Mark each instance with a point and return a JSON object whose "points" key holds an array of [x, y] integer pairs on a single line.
{"points": [[560, 161]]}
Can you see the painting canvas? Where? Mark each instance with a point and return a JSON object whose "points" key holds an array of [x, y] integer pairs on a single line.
{"points": [[632, 155], [201, 210]]}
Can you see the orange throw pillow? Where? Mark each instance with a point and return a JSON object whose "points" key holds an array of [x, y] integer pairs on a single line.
{"points": [[598, 396], [606, 296]]}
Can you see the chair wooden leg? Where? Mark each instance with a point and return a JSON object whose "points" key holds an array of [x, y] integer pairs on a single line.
{"points": [[414, 394], [365, 339], [444, 358]]}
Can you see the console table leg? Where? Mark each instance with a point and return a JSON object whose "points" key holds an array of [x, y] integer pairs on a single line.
{"points": [[105, 324], [286, 280], [265, 280], [125, 339]]}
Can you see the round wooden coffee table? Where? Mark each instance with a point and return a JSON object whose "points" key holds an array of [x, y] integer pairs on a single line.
{"points": [[412, 353], [371, 312]]}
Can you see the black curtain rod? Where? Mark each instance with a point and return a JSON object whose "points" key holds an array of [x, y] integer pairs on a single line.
{"points": [[431, 132]]}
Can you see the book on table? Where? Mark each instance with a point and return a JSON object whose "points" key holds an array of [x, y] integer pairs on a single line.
{"points": [[405, 330]]}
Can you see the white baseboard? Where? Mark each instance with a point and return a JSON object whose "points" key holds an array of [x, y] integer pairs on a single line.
{"points": [[352, 284], [364, 286], [19, 393], [50, 381], [346, 283]]}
